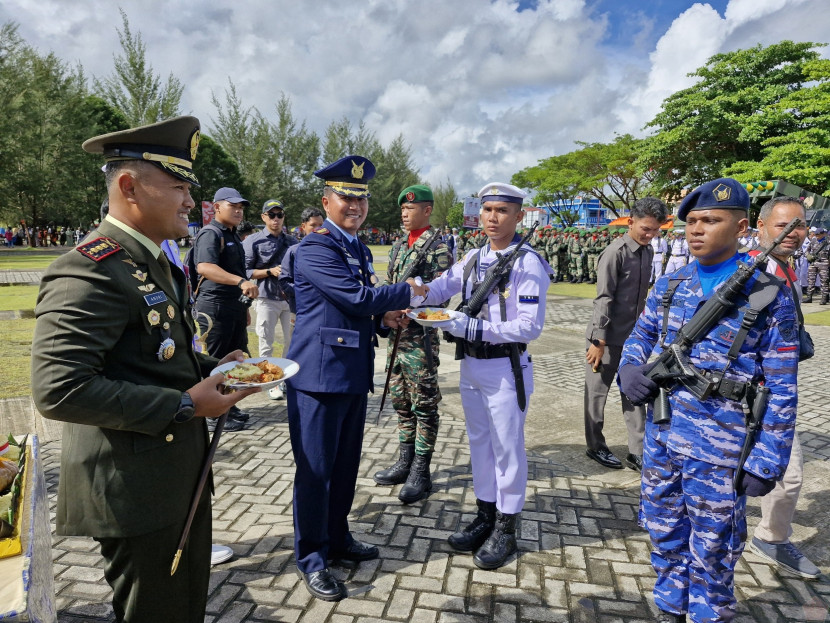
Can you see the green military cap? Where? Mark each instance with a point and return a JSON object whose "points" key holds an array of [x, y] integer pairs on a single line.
{"points": [[171, 145], [414, 194]]}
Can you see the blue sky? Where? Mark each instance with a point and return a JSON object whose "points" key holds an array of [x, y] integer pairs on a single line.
{"points": [[478, 88]]}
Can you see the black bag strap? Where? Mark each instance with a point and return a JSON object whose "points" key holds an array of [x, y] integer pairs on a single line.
{"points": [[668, 296], [762, 294]]}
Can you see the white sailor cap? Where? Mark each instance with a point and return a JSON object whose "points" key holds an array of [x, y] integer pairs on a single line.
{"points": [[498, 191]]}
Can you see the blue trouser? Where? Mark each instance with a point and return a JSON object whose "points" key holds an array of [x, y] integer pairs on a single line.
{"points": [[326, 438], [697, 526]]}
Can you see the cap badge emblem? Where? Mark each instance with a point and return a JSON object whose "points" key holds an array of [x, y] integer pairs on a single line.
{"points": [[357, 171], [722, 192], [410, 196], [194, 144]]}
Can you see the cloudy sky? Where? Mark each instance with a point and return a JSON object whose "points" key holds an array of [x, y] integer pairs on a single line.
{"points": [[479, 88]]}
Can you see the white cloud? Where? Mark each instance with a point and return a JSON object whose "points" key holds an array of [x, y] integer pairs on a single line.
{"points": [[478, 89]]}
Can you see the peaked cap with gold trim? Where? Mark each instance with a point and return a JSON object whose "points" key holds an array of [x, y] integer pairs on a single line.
{"points": [[720, 194], [171, 145], [348, 176]]}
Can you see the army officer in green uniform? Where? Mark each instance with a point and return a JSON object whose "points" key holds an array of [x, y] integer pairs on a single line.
{"points": [[112, 357]]}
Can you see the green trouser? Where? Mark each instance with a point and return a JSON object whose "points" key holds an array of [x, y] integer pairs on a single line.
{"points": [[138, 570]]}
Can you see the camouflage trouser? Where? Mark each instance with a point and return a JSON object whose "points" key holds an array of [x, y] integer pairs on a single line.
{"points": [[575, 266], [697, 526], [564, 273], [415, 396], [554, 264], [592, 266], [822, 269]]}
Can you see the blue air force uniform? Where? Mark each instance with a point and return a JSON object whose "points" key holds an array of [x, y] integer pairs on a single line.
{"points": [[695, 517], [338, 314]]}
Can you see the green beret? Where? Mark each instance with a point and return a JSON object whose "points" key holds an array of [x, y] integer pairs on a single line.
{"points": [[414, 194]]}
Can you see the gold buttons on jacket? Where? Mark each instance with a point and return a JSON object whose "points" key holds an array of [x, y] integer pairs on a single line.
{"points": [[169, 437], [340, 340]]}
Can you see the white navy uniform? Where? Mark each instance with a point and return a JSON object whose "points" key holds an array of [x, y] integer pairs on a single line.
{"points": [[658, 243], [495, 423], [679, 255]]}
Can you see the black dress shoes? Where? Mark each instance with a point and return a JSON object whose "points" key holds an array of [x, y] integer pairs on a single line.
{"points": [[635, 462], [356, 552], [323, 585], [604, 457]]}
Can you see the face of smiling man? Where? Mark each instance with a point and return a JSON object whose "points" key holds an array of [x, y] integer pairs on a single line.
{"points": [[348, 213]]}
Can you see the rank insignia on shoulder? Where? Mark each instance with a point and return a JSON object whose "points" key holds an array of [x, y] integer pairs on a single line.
{"points": [[99, 248], [321, 230], [529, 299]]}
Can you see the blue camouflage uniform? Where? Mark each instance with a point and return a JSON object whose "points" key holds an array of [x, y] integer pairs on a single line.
{"points": [[695, 518]]}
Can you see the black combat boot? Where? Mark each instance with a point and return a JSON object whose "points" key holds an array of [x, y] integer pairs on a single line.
{"points": [[500, 545], [419, 482], [808, 298], [399, 471], [472, 536], [823, 300], [670, 617]]}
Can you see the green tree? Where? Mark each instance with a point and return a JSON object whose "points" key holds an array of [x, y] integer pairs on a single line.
{"points": [[214, 168], [45, 115], [134, 88], [292, 157], [802, 154], [455, 215], [607, 171], [706, 128], [445, 197]]}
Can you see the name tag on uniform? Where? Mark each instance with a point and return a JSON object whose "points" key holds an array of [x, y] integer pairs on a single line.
{"points": [[529, 299], [353, 260], [155, 298]]}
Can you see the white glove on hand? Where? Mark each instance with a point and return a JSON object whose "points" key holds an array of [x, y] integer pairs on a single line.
{"points": [[415, 300], [456, 326]]}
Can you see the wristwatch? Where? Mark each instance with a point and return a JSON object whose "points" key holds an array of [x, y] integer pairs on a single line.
{"points": [[596, 342], [268, 272], [186, 410], [241, 281]]}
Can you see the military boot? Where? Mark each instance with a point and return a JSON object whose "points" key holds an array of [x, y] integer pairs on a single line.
{"points": [[472, 536], [808, 298], [399, 471], [823, 300], [500, 544], [419, 482]]}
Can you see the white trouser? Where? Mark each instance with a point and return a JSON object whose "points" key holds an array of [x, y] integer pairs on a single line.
{"points": [[675, 262], [657, 267], [495, 428], [268, 312], [778, 506]]}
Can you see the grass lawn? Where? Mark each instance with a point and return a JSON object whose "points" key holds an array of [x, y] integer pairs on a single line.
{"points": [[16, 357], [579, 290], [16, 298], [821, 319], [26, 261]]}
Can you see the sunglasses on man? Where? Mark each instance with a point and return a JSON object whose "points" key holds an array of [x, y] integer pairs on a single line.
{"points": [[275, 215]]}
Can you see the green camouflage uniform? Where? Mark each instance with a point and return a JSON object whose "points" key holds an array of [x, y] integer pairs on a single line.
{"points": [[413, 388], [552, 250], [575, 258], [593, 248]]}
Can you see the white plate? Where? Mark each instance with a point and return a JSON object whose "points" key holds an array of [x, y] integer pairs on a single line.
{"points": [[429, 323], [289, 369]]}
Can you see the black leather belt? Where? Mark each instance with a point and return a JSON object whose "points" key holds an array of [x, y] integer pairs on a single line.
{"points": [[489, 351]]}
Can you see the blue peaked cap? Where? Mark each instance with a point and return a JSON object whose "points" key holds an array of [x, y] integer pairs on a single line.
{"points": [[720, 194]]}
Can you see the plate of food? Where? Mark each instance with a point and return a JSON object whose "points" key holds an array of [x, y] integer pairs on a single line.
{"points": [[262, 372], [429, 316]]}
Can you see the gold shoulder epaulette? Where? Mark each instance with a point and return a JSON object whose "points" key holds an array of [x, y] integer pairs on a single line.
{"points": [[99, 248]]}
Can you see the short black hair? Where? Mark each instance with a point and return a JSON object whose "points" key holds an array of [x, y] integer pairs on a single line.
{"points": [[310, 213], [245, 227], [650, 206], [766, 209]]}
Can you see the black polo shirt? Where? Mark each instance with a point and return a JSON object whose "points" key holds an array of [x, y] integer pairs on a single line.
{"points": [[221, 245]]}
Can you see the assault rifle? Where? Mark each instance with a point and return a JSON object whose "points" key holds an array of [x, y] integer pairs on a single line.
{"points": [[673, 365], [496, 273], [812, 257], [413, 267]]}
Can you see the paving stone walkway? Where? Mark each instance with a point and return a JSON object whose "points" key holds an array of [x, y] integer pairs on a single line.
{"points": [[582, 556]]}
